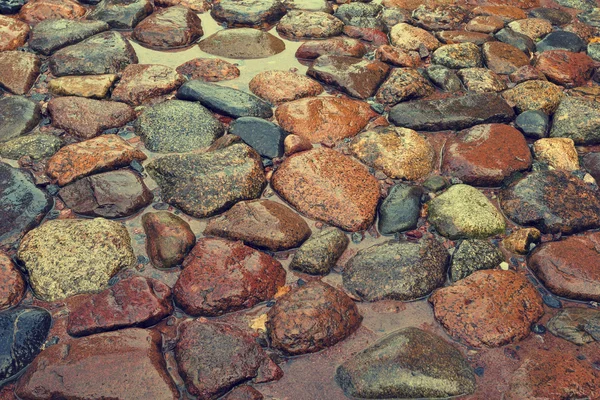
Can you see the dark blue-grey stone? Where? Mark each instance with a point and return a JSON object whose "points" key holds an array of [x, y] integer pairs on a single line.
{"points": [[554, 15], [53, 34], [561, 40], [400, 210], [23, 331], [18, 115], [122, 14], [22, 204], [263, 136], [520, 41], [453, 113], [224, 100], [533, 124], [11, 6]]}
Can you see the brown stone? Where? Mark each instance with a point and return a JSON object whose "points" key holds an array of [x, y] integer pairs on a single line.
{"points": [[408, 37], [507, 13], [244, 392], [88, 118], [325, 185], [168, 238], [467, 156], [198, 6], [453, 37], [213, 357], [503, 58], [13, 33], [94, 155], [520, 240], [310, 318], [404, 84], [489, 308], [221, 276], [356, 76], [280, 86], [559, 153], [261, 223], [300, 24], [114, 365], [371, 36], [396, 57], [434, 17], [141, 82], [485, 24], [135, 301], [339, 46], [90, 86], [535, 28], [295, 144], [569, 268], [113, 194], [534, 95], [527, 73], [209, 69], [481, 80], [19, 71], [553, 374], [565, 67], [39, 10], [169, 28], [324, 118], [12, 284]]}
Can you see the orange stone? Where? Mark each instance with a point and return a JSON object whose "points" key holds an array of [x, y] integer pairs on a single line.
{"points": [[39, 10], [13, 33]]}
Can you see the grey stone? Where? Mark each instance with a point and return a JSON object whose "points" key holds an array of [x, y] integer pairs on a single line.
{"points": [[400, 210], [473, 255], [533, 124], [318, 255], [578, 119], [18, 115], [53, 34], [36, 146]]}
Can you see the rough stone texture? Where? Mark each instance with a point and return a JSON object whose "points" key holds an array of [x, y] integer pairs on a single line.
{"points": [[116, 365], [489, 308], [336, 46], [535, 28], [54, 34], [503, 58], [533, 124], [394, 270], [473, 255], [251, 13], [561, 40], [299, 24], [13, 33], [459, 55], [295, 144], [453, 37], [355, 76], [569, 268], [481, 80], [439, 17], [169, 28], [266, 137], [205, 184], [411, 38], [591, 162], [104, 53], [277, 87], [520, 240], [453, 113], [467, 156], [400, 210], [444, 78], [325, 185], [135, 301], [559, 153], [578, 119], [243, 392], [72, 256], [324, 118], [397, 57], [121, 14], [23, 331], [310, 318], [261, 223], [22, 204], [520, 41], [18, 115], [221, 276], [190, 126], [99, 154], [224, 100], [140, 83], [19, 71], [507, 13], [398, 152], [209, 69], [404, 84], [577, 325], [242, 43], [168, 238], [320, 252], [88, 118], [12, 284], [464, 212], [485, 24], [534, 95], [112, 194], [553, 374], [408, 363], [214, 357], [91, 86], [564, 67], [552, 201], [39, 10]]}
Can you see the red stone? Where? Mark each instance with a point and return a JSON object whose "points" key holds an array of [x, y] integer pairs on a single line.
{"points": [[310, 318], [168, 238], [140, 83], [221, 276], [19, 71], [488, 308], [209, 69], [169, 28], [468, 156], [12, 284], [13, 33], [397, 57], [565, 67], [372, 36], [244, 392], [135, 301], [527, 73], [126, 364], [338, 46], [39, 10]]}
